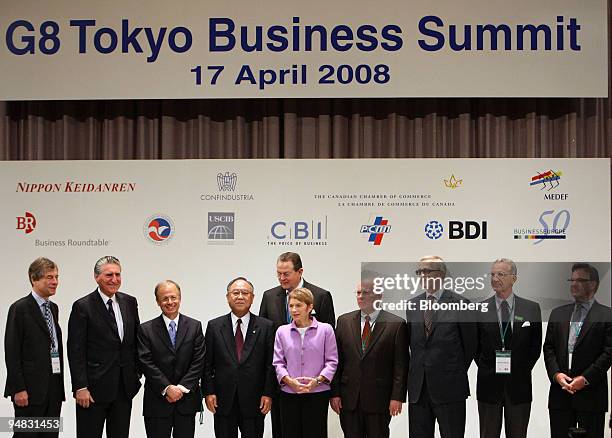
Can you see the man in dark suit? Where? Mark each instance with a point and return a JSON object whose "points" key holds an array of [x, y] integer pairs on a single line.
{"points": [[274, 306], [442, 346], [102, 354], [369, 386], [578, 354], [171, 355], [510, 342], [33, 349], [239, 380]]}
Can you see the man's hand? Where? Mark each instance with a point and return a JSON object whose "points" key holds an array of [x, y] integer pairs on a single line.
{"points": [[83, 398], [173, 394], [395, 407], [336, 404], [211, 403], [21, 399], [577, 384], [565, 381], [265, 404]]}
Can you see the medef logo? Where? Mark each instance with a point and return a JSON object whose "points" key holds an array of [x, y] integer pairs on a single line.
{"points": [[159, 229], [221, 228], [26, 222], [468, 230], [377, 230], [227, 181], [548, 181], [452, 182]]}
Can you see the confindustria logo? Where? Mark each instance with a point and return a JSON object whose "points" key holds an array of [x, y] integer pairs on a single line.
{"points": [[226, 184], [298, 232], [76, 187], [376, 231], [221, 227], [553, 226], [159, 229], [27, 222], [227, 181], [468, 230], [452, 182]]}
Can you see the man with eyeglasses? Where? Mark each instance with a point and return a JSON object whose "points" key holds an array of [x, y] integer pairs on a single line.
{"points": [[578, 354], [369, 386], [171, 356], [510, 343], [442, 345], [239, 380], [275, 306]]}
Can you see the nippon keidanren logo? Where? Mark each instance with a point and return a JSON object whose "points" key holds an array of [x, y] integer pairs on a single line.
{"points": [[76, 187]]}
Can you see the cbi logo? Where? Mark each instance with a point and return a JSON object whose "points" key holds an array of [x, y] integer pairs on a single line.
{"points": [[27, 222], [468, 230]]}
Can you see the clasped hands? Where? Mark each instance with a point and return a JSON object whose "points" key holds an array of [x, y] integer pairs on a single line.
{"points": [[570, 384], [301, 385]]}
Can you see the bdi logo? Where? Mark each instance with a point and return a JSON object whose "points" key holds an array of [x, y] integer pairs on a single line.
{"points": [[457, 230], [26, 222]]}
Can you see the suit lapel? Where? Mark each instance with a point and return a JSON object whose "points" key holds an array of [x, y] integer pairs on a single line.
{"points": [[160, 328], [38, 317], [181, 332], [281, 303], [125, 314], [379, 328], [251, 338], [103, 311], [587, 324], [356, 331], [227, 333]]}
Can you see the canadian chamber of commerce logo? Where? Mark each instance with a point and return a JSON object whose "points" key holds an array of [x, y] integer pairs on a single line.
{"points": [[468, 230], [27, 222], [227, 183], [553, 226], [547, 181], [159, 229], [376, 231], [299, 232], [221, 227], [452, 182]]}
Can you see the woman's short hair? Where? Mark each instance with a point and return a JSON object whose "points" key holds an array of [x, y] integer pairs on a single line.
{"points": [[302, 294]]}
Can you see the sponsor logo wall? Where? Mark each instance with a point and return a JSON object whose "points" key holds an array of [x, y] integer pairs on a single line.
{"points": [[208, 221]]}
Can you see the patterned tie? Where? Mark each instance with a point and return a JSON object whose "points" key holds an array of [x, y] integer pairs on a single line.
{"points": [[506, 323], [239, 339], [429, 314], [575, 326], [172, 333], [49, 319], [365, 334]]}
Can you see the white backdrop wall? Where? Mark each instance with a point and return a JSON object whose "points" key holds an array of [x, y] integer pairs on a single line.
{"points": [[77, 224]]}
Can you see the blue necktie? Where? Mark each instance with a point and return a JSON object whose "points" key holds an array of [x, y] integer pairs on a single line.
{"points": [[172, 331], [49, 320], [287, 307]]}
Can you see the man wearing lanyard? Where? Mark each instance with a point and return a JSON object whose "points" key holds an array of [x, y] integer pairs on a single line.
{"points": [[274, 306], [578, 354], [33, 349], [510, 342]]}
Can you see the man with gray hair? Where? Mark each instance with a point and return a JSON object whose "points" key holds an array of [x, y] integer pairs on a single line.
{"points": [[510, 342], [102, 354]]}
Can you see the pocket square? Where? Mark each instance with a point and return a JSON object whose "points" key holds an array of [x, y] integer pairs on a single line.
{"points": [[526, 324]]}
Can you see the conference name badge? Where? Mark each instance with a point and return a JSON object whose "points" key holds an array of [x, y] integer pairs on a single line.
{"points": [[55, 363], [502, 361]]}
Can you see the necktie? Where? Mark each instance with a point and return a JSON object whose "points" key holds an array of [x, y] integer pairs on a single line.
{"points": [[428, 316], [506, 323], [172, 332], [49, 320], [287, 309], [111, 312], [365, 334], [239, 339], [575, 326]]}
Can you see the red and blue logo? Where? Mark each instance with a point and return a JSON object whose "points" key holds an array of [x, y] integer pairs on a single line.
{"points": [[159, 228], [377, 230]]}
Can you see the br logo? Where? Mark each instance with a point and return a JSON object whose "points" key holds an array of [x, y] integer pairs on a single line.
{"points": [[26, 222]]}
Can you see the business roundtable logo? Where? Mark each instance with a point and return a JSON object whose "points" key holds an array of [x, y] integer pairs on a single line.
{"points": [[376, 231], [221, 228], [27, 222], [159, 229]]}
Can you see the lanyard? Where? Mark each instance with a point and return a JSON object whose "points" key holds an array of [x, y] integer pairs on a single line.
{"points": [[508, 324]]}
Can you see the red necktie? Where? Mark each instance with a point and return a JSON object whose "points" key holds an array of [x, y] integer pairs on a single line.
{"points": [[365, 334], [239, 339]]}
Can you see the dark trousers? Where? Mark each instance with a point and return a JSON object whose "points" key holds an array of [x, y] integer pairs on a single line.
{"points": [[50, 407], [515, 418], [116, 414], [277, 426], [304, 415], [423, 414], [561, 421], [176, 425], [360, 424], [226, 426]]}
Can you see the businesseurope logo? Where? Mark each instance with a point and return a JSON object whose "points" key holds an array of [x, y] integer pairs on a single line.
{"points": [[159, 229]]}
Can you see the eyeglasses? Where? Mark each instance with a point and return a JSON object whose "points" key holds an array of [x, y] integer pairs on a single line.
{"points": [[501, 275], [364, 293], [425, 271], [235, 293], [284, 274], [578, 280]]}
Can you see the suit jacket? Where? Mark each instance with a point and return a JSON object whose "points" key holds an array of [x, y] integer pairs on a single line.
{"points": [[248, 379], [370, 379], [163, 365], [592, 358], [274, 305], [98, 358], [525, 348], [27, 349], [444, 358]]}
